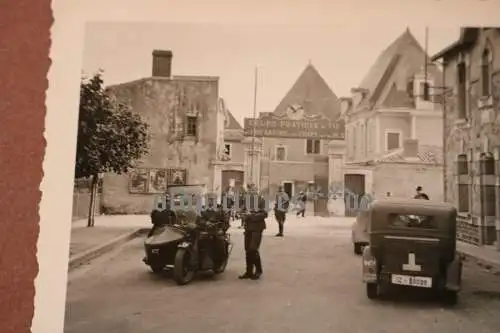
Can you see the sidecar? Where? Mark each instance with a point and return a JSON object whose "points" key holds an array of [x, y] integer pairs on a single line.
{"points": [[161, 247]]}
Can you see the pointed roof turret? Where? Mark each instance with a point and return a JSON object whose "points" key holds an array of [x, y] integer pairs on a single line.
{"points": [[313, 93]]}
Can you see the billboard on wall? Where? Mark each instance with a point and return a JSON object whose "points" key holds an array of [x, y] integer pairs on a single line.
{"points": [[312, 127]]}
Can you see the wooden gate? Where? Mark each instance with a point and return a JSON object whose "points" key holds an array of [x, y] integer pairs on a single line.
{"points": [[227, 175], [354, 190]]}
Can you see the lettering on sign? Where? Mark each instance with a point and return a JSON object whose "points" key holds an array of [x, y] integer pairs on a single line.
{"points": [[310, 127], [412, 266]]}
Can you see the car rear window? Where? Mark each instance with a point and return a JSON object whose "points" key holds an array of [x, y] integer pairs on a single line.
{"points": [[413, 221]]}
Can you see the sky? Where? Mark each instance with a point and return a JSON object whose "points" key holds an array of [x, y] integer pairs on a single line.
{"points": [[342, 54]]}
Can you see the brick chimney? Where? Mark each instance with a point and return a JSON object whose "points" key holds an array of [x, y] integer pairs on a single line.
{"points": [[410, 148], [162, 63]]}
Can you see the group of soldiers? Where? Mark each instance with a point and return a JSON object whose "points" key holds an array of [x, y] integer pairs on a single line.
{"points": [[253, 213]]}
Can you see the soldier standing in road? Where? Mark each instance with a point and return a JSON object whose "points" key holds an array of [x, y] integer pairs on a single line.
{"points": [[280, 208], [254, 222]]}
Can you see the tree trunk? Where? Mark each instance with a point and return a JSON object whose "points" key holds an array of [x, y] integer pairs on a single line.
{"points": [[93, 190]]}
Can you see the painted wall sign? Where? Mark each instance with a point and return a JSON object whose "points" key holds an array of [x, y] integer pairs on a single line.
{"points": [[311, 127]]}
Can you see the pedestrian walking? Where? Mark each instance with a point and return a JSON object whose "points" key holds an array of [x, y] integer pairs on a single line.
{"points": [[254, 222], [281, 205], [301, 201]]}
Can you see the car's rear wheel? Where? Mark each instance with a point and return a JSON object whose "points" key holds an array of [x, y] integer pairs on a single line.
{"points": [[371, 290], [358, 248], [450, 297]]}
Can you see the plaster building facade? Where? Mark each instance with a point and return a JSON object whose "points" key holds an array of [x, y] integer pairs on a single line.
{"points": [[233, 157], [472, 133], [187, 136], [393, 127], [298, 143]]}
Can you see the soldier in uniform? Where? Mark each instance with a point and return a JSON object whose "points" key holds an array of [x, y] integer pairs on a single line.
{"points": [[254, 222], [280, 208]]}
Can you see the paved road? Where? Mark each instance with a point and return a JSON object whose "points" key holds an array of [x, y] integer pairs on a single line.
{"points": [[311, 284]]}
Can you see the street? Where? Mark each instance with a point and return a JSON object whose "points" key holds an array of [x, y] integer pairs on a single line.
{"points": [[311, 283]]}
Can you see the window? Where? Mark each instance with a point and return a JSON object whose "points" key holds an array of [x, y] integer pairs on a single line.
{"points": [[280, 153], [392, 140], [227, 150], [463, 183], [462, 165], [461, 93], [413, 221], [313, 146], [192, 126], [485, 73]]}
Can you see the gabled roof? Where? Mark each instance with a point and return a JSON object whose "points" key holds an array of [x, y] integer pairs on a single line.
{"points": [[313, 93], [230, 123], [468, 37], [382, 83]]}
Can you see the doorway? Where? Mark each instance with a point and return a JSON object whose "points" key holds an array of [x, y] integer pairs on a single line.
{"points": [[288, 188], [354, 191], [232, 177]]}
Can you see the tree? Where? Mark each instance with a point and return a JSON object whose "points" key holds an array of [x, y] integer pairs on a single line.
{"points": [[110, 137]]}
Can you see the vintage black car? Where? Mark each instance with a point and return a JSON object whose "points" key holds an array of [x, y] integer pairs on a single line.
{"points": [[194, 238], [412, 243]]}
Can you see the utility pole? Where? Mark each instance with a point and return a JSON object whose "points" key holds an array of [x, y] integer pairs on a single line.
{"points": [[426, 61], [253, 127]]}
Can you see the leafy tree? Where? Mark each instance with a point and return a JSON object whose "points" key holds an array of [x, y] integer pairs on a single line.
{"points": [[110, 137]]}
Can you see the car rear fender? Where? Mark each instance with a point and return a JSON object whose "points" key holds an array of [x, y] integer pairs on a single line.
{"points": [[369, 266], [454, 274]]}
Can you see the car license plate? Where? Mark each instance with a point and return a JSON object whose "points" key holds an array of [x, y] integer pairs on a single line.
{"points": [[414, 281]]}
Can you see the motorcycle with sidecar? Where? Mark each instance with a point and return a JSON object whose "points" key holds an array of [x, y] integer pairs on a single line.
{"points": [[192, 241]]}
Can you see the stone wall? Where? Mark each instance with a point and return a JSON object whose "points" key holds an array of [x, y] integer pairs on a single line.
{"points": [[402, 179], [165, 104], [478, 133]]}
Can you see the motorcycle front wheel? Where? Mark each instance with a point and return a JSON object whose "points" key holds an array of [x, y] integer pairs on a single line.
{"points": [[221, 267], [183, 272]]}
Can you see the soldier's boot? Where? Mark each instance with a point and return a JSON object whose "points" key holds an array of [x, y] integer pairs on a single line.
{"points": [[258, 266], [249, 268]]}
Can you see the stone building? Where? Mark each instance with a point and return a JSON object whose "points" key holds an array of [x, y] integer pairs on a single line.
{"points": [[296, 144], [394, 129], [233, 158], [187, 133], [472, 133]]}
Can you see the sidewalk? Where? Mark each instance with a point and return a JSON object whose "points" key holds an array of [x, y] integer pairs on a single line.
{"points": [[107, 233], [485, 256]]}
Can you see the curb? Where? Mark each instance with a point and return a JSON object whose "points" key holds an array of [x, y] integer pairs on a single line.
{"points": [[101, 249], [492, 267]]}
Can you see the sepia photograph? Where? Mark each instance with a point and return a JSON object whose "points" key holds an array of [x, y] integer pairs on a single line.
{"points": [[374, 167], [250, 166]]}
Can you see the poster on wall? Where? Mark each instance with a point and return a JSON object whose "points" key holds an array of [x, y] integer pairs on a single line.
{"points": [[138, 181], [157, 181], [177, 176]]}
